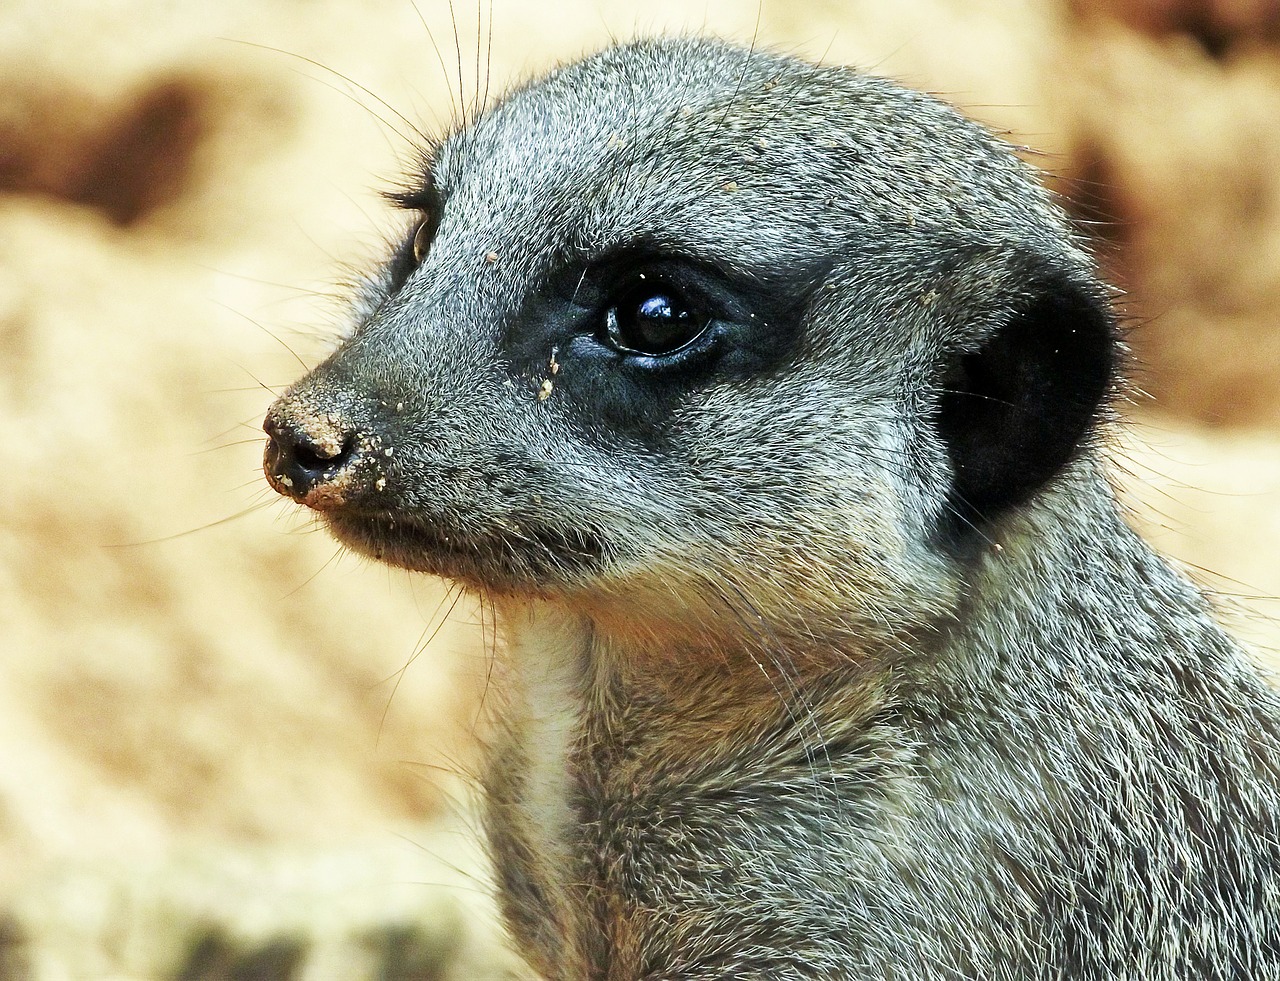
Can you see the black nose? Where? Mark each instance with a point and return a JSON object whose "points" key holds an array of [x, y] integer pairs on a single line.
{"points": [[298, 461]]}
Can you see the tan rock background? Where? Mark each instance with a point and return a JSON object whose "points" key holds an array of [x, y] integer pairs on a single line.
{"points": [[227, 751]]}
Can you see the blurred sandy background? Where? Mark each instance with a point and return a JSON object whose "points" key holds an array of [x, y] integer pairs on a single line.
{"points": [[227, 753]]}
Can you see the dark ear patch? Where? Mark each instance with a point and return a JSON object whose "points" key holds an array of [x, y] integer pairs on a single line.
{"points": [[1013, 412]]}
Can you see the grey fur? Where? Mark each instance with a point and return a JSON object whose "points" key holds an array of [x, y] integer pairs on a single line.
{"points": [[775, 702]]}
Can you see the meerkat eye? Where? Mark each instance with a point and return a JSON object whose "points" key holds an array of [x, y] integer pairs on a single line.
{"points": [[652, 319], [422, 240]]}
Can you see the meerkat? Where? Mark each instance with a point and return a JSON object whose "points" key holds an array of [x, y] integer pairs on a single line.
{"points": [[765, 402]]}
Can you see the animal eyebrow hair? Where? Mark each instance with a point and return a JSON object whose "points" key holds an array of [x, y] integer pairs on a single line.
{"points": [[419, 196], [739, 270]]}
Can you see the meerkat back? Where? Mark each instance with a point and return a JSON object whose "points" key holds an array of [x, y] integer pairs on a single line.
{"points": [[764, 401]]}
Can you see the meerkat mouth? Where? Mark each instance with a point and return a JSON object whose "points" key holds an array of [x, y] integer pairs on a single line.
{"points": [[518, 553]]}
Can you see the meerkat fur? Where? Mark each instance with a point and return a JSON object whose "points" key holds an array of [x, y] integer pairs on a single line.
{"points": [[767, 402]]}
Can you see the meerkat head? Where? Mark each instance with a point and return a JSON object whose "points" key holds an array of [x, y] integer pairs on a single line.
{"points": [[693, 336]]}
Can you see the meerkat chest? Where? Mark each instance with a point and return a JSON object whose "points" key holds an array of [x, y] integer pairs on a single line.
{"points": [[630, 817]]}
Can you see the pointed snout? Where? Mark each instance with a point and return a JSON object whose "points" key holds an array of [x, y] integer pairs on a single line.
{"points": [[317, 459]]}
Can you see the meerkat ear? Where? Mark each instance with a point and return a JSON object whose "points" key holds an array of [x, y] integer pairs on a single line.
{"points": [[1017, 408]]}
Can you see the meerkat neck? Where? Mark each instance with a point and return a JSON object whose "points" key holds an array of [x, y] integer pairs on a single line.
{"points": [[600, 749], [1071, 586], [590, 751]]}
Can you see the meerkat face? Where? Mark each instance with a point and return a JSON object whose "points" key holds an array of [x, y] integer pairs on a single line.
{"points": [[689, 334]]}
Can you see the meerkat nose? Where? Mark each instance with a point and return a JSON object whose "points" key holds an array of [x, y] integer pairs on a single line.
{"points": [[308, 459]]}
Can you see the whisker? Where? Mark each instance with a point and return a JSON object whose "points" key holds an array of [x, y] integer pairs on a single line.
{"points": [[423, 642], [349, 81], [333, 557], [193, 531], [455, 110], [262, 327]]}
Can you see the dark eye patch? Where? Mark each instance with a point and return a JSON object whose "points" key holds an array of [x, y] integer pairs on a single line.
{"points": [[691, 324], [715, 291]]}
